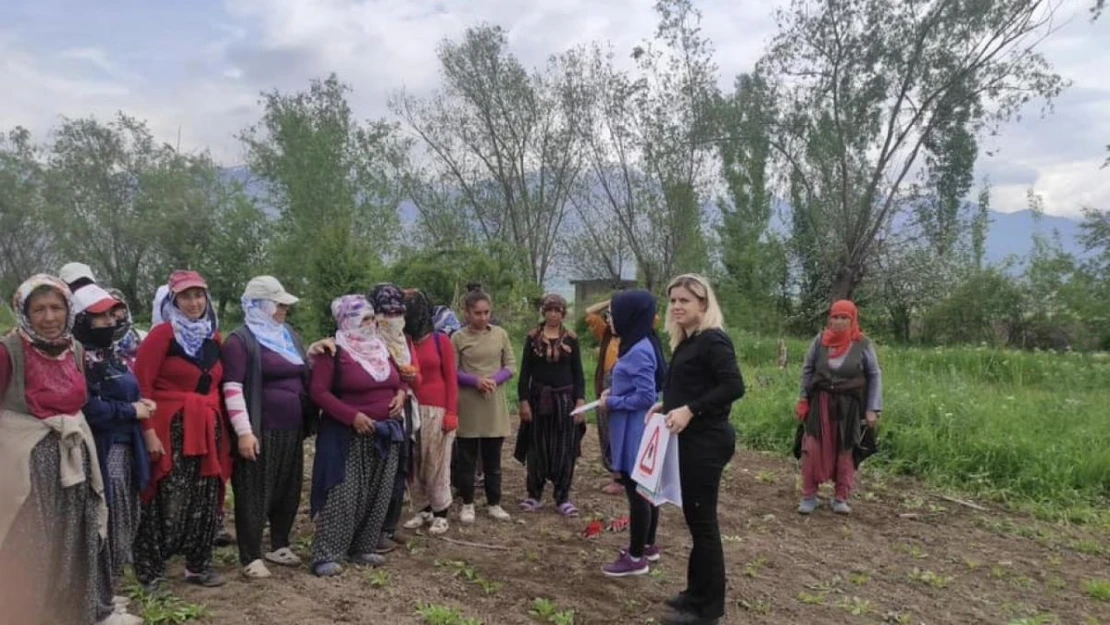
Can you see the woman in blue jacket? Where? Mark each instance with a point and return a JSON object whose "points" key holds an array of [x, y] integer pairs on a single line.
{"points": [[113, 412], [638, 378]]}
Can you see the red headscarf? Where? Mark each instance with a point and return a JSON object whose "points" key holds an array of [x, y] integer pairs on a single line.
{"points": [[839, 342]]}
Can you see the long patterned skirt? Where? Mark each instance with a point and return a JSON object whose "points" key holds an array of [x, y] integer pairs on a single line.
{"points": [[351, 520], [123, 506], [52, 563], [181, 519]]}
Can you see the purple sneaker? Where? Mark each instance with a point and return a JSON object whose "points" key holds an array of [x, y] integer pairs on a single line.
{"points": [[652, 553], [625, 566]]}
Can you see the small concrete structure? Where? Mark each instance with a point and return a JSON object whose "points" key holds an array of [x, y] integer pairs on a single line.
{"points": [[588, 292]]}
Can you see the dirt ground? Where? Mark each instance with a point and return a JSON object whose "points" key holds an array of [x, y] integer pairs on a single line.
{"points": [[906, 555]]}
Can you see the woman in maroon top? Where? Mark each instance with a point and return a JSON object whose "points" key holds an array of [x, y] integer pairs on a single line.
{"points": [[438, 397], [266, 391], [178, 366], [362, 395], [51, 561]]}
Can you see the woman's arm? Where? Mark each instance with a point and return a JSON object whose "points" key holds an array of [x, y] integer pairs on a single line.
{"points": [[809, 365], [508, 360], [233, 354], [149, 360], [874, 379], [415, 383], [104, 413], [320, 390], [643, 395], [465, 378], [450, 373], [720, 356]]}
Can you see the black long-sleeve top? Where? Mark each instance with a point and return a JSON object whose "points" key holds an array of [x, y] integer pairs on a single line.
{"points": [[567, 371], [705, 377]]}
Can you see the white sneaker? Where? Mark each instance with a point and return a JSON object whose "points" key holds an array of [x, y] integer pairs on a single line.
{"points": [[467, 513], [118, 618], [256, 570], [499, 513], [439, 525], [418, 521]]}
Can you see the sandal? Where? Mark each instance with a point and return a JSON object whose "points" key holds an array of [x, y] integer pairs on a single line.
{"points": [[284, 557], [256, 570], [531, 505], [568, 510]]}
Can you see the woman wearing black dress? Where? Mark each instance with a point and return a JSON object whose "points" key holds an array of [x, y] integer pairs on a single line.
{"points": [[702, 383]]}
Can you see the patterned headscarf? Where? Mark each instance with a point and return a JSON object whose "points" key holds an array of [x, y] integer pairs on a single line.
{"points": [[444, 320], [190, 333], [21, 302], [418, 314], [259, 317], [363, 343], [389, 299]]}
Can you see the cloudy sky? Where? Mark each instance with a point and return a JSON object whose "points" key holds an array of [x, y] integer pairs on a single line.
{"points": [[194, 68]]}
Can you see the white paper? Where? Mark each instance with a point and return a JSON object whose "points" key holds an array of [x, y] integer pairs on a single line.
{"points": [[656, 470], [585, 408]]}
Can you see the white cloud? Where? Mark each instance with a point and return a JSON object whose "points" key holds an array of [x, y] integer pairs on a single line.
{"points": [[201, 78]]}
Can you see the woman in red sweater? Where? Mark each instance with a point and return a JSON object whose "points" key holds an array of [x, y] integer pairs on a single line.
{"points": [[438, 396], [178, 366]]}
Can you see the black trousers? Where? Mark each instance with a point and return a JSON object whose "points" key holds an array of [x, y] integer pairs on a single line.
{"points": [[489, 449], [268, 490], [702, 456], [643, 519]]}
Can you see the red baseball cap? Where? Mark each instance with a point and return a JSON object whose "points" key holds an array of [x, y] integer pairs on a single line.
{"points": [[183, 280]]}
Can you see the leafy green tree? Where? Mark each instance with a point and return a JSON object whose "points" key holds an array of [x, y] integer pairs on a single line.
{"points": [[335, 185], [26, 241]]}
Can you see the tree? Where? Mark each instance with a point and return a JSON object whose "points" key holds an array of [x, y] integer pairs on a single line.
{"points": [[756, 277], [874, 92], [647, 139], [26, 244], [335, 186], [502, 150]]}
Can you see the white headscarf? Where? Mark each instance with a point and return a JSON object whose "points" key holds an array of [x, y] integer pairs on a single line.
{"points": [[156, 311], [274, 336]]}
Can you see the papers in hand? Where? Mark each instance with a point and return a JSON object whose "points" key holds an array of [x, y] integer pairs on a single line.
{"points": [[585, 408]]}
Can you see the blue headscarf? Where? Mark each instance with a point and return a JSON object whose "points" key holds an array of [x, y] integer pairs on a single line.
{"points": [[633, 314], [444, 320]]}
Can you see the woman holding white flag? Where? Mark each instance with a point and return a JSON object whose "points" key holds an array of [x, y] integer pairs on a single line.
{"points": [[637, 380], [702, 384]]}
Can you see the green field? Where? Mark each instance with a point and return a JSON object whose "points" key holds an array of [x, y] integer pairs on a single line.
{"points": [[1022, 427]]}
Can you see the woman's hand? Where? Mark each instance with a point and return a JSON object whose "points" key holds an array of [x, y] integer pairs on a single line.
{"points": [[323, 346], [153, 445], [450, 423], [802, 409], [363, 424], [142, 410], [603, 402], [525, 412], [872, 418], [678, 419], [487, 386], [248, 447], [580, 418], [397, 405]]}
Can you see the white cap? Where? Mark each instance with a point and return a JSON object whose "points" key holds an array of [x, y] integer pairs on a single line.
{"points": [[94, 299], [72, 272], [268, 287]]}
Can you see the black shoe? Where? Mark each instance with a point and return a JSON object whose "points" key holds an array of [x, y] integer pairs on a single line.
{"points": [[208, 579], [685, 618], [386, 545], [678, 602], [224, 539]]}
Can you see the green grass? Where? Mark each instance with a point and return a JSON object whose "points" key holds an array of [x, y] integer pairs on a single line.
{"points": [[1023, 427]]}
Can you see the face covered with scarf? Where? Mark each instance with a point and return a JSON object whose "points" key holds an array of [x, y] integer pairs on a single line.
{"points": [[261, 316], [45, 308], [389, 303], [843, 329], [357, 334]]}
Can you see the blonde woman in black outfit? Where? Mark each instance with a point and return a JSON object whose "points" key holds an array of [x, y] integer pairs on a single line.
{"points": [[702, 383]]}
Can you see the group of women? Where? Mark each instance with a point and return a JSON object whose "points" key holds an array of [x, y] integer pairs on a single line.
{"points": [[123, 444]]}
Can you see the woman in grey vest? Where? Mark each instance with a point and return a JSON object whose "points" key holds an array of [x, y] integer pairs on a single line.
{"points": [[265, 388], [842, 396]]}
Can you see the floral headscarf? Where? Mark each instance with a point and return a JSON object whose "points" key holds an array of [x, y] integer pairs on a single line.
{"points": [[21, 302], [444, 320], [259, 317], [363, 343], [552, 350]]}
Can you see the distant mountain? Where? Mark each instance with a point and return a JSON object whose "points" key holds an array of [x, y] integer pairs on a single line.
{"points": [[1010, 234]]}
